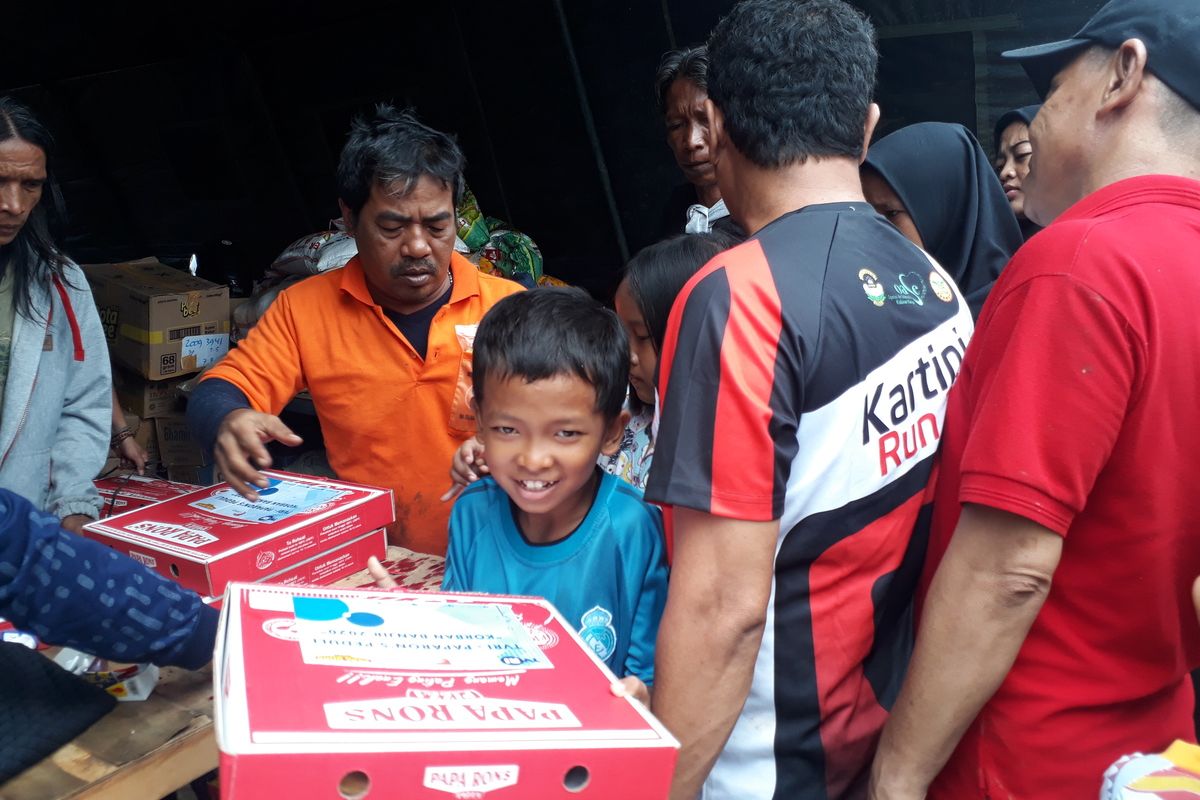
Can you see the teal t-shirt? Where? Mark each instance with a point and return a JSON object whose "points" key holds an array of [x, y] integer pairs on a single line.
{"points": [[608, 578]]}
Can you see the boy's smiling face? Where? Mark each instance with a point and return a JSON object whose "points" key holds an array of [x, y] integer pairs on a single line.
{"points": [[542, 439]]}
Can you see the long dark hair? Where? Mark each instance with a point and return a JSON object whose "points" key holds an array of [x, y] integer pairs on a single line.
{"points": [[658, 272], [33, 255]]}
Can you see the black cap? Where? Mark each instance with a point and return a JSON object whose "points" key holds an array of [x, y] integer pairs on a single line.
{"points": [[1170, 29]]}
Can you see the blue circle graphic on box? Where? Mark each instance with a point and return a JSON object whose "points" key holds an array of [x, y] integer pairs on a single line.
{"points": [[319, 609], [328, 609]]}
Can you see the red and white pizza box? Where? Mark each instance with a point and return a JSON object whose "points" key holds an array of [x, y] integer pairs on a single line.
{"points": [[324, 693], [213, 536], [329, 567], [127, 492]]}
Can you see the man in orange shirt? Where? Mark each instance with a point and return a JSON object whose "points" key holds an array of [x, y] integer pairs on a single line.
{"points": [[378, 343]]}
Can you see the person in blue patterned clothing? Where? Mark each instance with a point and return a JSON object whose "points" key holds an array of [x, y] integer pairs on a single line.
{"points": [[76, 592], [551, 368]]}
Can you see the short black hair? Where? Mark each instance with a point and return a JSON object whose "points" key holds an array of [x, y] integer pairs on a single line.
{"points": [[552, 331], [393, 146], [658, 272], [687, 63], [34, 255], [793, 79]]}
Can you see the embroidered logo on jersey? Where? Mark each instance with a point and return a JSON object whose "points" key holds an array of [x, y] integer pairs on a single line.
{"points": [[872, 287], [941, 289], [909, 290], [597, 632]]}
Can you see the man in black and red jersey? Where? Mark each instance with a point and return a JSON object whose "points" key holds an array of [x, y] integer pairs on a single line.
{"points": [[803, 383]]}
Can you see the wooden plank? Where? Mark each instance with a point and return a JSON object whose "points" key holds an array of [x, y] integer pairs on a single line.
{"points": [[143, 749], [160, 772]]}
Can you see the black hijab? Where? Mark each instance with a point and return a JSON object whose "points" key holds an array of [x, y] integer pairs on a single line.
{"points": [[946, 182]]}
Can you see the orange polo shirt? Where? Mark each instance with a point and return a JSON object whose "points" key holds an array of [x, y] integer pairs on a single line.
{"points": [[389, 418]]}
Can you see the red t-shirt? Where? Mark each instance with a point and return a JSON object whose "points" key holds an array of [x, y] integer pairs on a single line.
{"points": [[1076, 409]]}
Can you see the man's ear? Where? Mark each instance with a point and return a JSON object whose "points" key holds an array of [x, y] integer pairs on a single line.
{"points": [[1125, 73], [347, 216], [716, 129], [873, 116], [614, 433]]}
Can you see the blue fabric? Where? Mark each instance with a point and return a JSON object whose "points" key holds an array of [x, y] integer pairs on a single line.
{"points": [[76, 592], [211, 401], [608, 578]]}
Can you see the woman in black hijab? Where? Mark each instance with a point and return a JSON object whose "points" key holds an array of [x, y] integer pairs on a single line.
{"points": [[933, 181], [1013, 153]]}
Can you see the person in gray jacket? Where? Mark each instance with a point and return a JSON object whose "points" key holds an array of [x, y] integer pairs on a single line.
{"points": [[55, 384]]}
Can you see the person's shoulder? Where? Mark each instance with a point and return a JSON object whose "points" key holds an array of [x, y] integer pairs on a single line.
{"points": [[312, 287], [481, 494], [627, 509], [1068, 244], [74, 278], [712, 279], [493, 288]]}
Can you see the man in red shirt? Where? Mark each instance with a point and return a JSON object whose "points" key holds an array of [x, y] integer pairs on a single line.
{"points": [[1057, 633]]}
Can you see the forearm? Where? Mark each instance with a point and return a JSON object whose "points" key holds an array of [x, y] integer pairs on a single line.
{"points": [[976, 618], [75, 592], [211, 401], [703, 669]]}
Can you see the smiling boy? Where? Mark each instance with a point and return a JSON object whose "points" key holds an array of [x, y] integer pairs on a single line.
{"points": [[550, 371]]}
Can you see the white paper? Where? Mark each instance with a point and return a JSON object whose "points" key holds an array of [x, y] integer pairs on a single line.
{"points": [[365, 633], [280, 500], [207, 348]]}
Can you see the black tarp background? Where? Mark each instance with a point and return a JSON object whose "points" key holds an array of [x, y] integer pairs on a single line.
{"points": [[183, 124]]}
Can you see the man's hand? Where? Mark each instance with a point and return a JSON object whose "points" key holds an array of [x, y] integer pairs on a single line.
{"points": [[380, 575], [75, 522], [240, 449], [985, 595], [131, 452], [469, 466]]}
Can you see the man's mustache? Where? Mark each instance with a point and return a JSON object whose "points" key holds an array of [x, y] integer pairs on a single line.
{"points": [[409, 266]]}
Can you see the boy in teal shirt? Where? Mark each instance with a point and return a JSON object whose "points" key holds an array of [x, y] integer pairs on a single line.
{"points": [[550, 371]]}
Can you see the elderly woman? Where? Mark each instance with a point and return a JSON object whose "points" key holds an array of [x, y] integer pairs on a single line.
{"points": [[1013, 155], [681, 87]]}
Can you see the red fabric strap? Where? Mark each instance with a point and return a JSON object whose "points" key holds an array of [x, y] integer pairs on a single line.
{"points": [[76, 336]]}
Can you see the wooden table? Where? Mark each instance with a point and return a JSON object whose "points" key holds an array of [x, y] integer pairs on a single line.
{"points": [[146, 750], [139, 751]]}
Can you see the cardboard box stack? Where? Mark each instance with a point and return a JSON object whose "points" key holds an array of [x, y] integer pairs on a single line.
{"points": [[301, 530], [145, 398], [182, 457], [159, 321], [351, 693]]}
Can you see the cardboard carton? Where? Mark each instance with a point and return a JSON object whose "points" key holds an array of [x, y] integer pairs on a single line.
{"points": [[213, 536], [145, 398], [339, 692], [126, 492], [159, 321], [176, 448]]}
